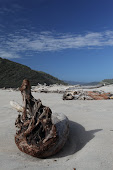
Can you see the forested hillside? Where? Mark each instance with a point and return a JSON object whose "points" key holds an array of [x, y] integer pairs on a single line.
{"points": [[12, 75]]}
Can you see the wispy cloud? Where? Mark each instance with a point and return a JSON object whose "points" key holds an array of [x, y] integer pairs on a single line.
{"points": [[6, 54], [13, 8], [25, 42], [6, 11]]}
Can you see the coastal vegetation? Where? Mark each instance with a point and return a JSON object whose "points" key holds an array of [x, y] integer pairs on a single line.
{"points": [[107, 81], [12, 75]]}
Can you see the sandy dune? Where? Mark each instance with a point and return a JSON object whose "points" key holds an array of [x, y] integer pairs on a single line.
{"points": [[90, 143]]}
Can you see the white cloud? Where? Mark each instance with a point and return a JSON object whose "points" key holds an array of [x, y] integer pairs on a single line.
{"points": [[5, 54], [30, 42]]}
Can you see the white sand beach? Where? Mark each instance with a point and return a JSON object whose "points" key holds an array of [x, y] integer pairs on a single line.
{"points": [[90, 143]]}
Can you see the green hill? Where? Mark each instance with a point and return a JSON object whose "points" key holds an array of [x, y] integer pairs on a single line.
{"points": [[107, 81], [12, 75]]}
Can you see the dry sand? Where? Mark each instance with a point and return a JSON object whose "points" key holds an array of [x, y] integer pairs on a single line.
{"points": [[90, 143]]}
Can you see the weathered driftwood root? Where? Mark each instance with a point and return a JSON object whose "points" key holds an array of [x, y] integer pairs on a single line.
{"points": [[39, 134]]}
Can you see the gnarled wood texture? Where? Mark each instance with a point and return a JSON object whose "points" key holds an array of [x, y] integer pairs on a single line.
{"points": [[39, 134]]}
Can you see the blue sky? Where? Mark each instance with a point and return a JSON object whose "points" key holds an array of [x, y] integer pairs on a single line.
{"points": [[69, 39]]}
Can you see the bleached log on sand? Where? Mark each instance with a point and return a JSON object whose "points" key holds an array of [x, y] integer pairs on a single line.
{"points": [[16, 106]]}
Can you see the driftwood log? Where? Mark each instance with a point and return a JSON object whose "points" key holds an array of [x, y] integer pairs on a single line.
{"points": [[87, 95], [39, 132]]}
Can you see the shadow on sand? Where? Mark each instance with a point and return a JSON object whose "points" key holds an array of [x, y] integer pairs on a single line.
{"points": [[78, 138]]}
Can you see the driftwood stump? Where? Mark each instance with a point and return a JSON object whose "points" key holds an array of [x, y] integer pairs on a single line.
{"points": [[39, 134]]}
